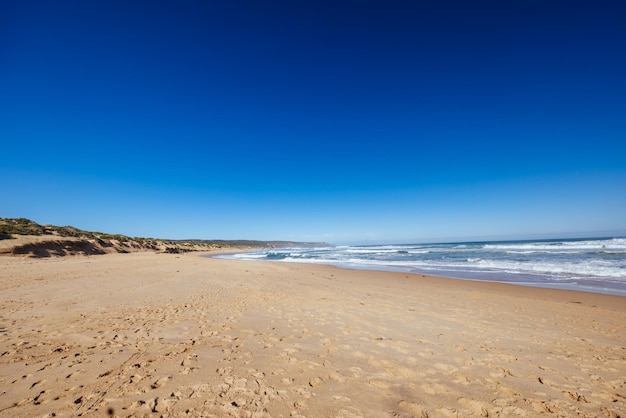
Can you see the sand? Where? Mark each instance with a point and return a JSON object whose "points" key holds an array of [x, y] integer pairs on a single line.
{"points": [[148, 334]]}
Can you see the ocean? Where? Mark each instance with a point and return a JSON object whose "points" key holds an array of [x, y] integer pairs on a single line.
{"points": [[592, 265]]}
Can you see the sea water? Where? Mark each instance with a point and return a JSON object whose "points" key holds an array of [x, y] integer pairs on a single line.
{"points": [[592, 265]]}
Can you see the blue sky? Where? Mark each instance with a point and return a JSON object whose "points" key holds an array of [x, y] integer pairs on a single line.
{"points": [[341, 121]]}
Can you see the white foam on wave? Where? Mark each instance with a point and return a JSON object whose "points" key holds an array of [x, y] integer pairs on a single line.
{"points": [[592, 268], [589, 269], [568, 261], [614, 244], [372, 250], [243, 256]]}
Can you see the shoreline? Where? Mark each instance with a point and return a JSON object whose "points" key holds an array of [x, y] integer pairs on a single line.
{"points": [[531, 284], [190, 335], [575, 264]]}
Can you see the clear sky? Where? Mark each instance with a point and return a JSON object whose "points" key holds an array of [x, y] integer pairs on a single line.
{"points": [[343, 121]]}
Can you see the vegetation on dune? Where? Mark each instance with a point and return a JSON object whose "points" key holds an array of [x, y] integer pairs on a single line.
{"points": [[20, 226], [23, 226], [100, 242]]}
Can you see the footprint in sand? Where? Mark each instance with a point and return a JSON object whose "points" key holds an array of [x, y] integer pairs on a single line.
{"points": [[350, 412], [336, 377], [160, 382], [477, 408], [414, 409], [380, 384], [433, 388]]}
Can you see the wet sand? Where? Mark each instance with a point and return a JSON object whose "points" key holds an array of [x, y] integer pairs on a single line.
{"points": [[147, 334]]}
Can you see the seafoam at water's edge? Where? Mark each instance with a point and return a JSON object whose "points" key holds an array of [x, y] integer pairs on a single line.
{"points": [[592, 265]]}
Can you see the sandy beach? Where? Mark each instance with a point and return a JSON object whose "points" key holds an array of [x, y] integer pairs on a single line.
{"points": [[146, 334]]}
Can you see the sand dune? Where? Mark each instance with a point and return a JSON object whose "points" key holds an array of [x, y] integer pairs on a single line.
{"points": [[147, 334]]}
